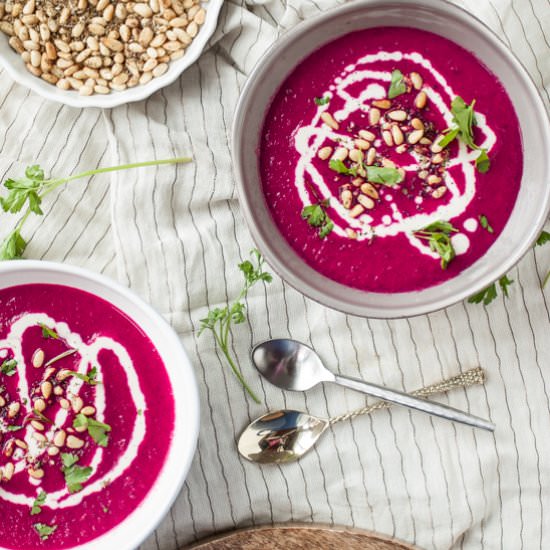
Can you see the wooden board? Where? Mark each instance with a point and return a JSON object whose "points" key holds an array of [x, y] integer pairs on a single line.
{"points": [[300, 537]]}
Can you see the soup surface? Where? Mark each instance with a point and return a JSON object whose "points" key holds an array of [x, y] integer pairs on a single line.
{"points": [[86, 416], [391, 159]]}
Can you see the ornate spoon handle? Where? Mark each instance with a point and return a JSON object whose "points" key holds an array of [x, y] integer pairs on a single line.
{"points": [[469, 378]]}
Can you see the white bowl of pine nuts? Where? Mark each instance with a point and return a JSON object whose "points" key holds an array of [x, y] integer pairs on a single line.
{"points": [[102, 53]]}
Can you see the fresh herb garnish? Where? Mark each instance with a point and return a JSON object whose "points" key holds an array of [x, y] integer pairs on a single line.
{"points": [[487, 295], [397, 84], [31, 189], [484, 222], [483, 163], [383, 175], [321, 100], [13, 428], [40, 416], [339, 166], [44, 530], [89, 378], [47, 332], [465, 120], [8, 367], [219, 320], [375, 174], [543, 238], [38, 502], [60, 356], [316, 216], [75, 475], [438, 235], [97, 430]]}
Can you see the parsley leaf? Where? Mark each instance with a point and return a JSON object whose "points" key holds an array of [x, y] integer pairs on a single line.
{"points": [[38, 502], [316, 216], [483, 163], [484, 222], [90, 378], [13, 246], [44, 530], [321, 100], [438, 235], [339, 166], [219, 320], [397, 84], [8, 367], [543, 238], [13, 428], [383, 175], [450, 135], [97, 430], [487, 295], [48, 332], [75, 475]]}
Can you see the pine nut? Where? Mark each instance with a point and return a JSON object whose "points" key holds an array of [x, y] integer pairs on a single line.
{"points": [[421, 100], [21, 444], [437, 158], [371, 156], [77, 404], [37, 436], [37, 425], [439, 192], [387, 137], [13, 409], [341, 153], [374, 116], [64, 404], [365, 201], [398, 116], [435, 147], [397, 135], [369, 190], [329, 120], [416, 80], [39, 405], [362, 144], [356, 155], [417, 124], [356, 211], [382, 103], [433, 179], [2, 401], [365, 134], [46, 389], [346, 197], [414, 137], [53, 451], [88, 410], [8, 471], [74, 442], [324, 153], [59, 438], [36, 474]]}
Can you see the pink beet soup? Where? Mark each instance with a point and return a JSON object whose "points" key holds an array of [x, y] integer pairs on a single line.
{"points": [[86, 416], [360, 169]]}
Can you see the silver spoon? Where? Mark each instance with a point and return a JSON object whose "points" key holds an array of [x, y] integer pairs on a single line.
{"points": [[291, 365], [287, 435]]}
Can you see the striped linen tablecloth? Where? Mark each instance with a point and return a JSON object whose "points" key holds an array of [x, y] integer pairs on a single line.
{"points": [[175, 236]]}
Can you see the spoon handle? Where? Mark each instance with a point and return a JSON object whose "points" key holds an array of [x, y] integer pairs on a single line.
{"points": [[414, 402]]}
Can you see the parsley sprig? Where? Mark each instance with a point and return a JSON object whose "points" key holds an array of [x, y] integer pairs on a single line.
{"points": [[487, 295], [464, 120], [29, 191], [90, 378], [316, 216], [438, 235], [219, 320]]}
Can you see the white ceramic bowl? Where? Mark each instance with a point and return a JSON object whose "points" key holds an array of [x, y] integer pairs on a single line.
{"points": [[530, 211], [129, 534], [13, 64]]}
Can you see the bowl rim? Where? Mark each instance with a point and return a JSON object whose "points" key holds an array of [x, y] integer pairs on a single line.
{"points": [[148, 514], [246, 98], [15, 68]]}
